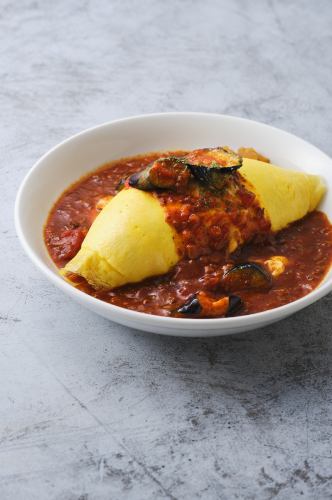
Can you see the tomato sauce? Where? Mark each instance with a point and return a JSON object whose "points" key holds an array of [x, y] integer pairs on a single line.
{"points": [[307, 245], [204, 221]]}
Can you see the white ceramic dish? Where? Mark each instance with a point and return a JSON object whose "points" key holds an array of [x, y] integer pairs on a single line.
{"points": [[71, 159]]}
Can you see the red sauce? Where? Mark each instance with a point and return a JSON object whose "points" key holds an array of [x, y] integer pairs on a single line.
{"points": [[204, 221], [307, 244]]}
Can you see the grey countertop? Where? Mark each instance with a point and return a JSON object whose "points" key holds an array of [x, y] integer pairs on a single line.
{"points": [[92, 410]]}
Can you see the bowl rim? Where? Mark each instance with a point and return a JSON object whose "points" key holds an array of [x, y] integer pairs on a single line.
{"points": [[194, 323]]}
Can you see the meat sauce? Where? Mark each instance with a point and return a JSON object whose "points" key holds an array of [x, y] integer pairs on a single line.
{"points": [[205, 221], [307, 245]]}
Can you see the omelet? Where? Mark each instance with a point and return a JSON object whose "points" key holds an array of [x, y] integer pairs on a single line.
{"points": [[286, 195], [131, 240], [128, 241]]}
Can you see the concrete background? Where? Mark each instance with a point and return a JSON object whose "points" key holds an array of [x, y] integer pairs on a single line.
{"points": [[92, 410]]}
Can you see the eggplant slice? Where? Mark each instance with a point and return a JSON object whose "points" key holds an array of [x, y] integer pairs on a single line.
{"points": [[210, 165], [200, 304], [234, 305], [141, 180], [221, 157], [248, 275], [191, 306], [164, 173], [169, 173]]}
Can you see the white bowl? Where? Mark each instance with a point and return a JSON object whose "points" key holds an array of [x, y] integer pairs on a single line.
{"points": [[71, 159]]}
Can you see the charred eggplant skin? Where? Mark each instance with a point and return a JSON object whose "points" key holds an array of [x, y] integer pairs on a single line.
{"points": [[120, 185], [140, 180], [212, 166], [235, 304], [163, 173], [215, 178], [191, 306], [248, 275]]}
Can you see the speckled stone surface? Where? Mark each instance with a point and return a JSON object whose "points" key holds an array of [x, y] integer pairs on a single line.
{"points": [[90, 410]]}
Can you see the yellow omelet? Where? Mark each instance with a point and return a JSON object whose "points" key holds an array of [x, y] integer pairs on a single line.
{"points": [[286, 195], [128, 241]]}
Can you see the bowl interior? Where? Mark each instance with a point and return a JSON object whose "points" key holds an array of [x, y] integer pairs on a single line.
{"points": [[84, 152]]}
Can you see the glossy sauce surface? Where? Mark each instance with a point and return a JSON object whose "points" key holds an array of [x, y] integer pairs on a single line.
{"points": [[307, 244]]}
